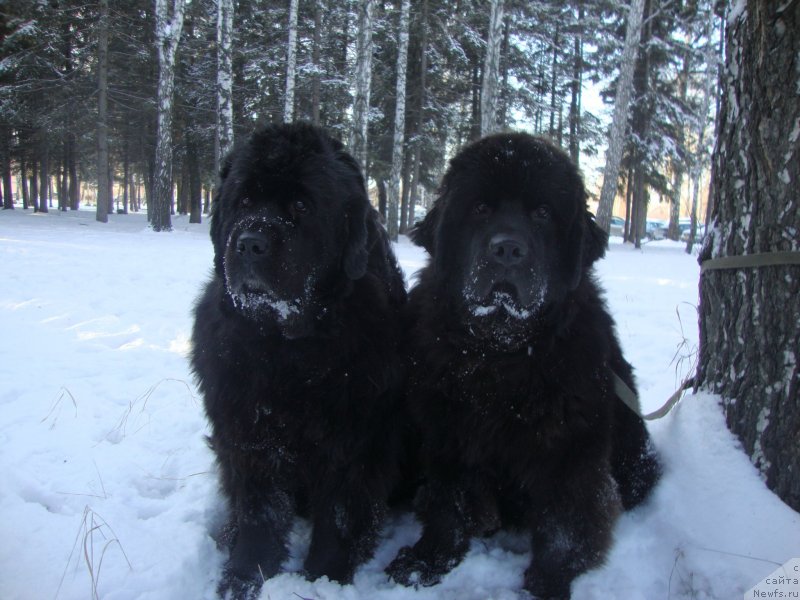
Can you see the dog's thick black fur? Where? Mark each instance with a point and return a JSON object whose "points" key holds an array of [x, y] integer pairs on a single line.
{"points": [[295, 352], [513, 352]]}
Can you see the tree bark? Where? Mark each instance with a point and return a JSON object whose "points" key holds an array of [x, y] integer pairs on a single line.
{"points": [[398, 140], [224, 138], [23, 182], [619, 120], [679, 166], [315, 59], [103, 185], [491, 68], [576, 85], [195, 180], [750, 317], [709, 95], [169, 24], [363, 81], [5, 158], [407, 219], [34, 189], [554, 83], [291, 64], [44, 185]]}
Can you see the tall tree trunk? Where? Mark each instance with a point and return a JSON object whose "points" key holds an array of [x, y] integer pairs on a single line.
{"points": [[5, 158], [503, 98], [750, 317], [407, 218], [291, 64], [406, 192], [73, 189], [475, 121], [491, 68], [576, 86], [169, 23], [641, 126], [619, 119], [640, 200], [224, 138], [398, 140], [183, 188], [679, 165], [315, 59], [554, 82], [363, 82], [103, 184], [61, 178], [627, 229], [44, 178], [126, 177], [35, 186], [23, 181], [709, 93]]}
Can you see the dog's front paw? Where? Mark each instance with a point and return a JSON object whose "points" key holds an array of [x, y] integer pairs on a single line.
{"points": [[410, 568], [234, 587]]}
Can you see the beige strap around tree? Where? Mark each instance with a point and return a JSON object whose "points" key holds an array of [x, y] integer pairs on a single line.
{"points": [[745, 261]]}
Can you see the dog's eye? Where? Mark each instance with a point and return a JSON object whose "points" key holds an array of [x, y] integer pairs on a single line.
{"points": [[482, 209], [299, 207], [245, 201], [541, 212]]}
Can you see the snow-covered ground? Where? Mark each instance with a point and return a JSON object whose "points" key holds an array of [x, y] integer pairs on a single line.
{"points": [[108, 488]]}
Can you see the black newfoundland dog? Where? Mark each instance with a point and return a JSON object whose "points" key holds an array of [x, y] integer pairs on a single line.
{"points": [[295, 352], [513, 354]]}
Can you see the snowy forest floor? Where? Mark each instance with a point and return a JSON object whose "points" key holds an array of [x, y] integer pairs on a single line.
{"points": [[109, 489]]}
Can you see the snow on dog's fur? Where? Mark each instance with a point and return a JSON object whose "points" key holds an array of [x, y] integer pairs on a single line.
{"points": [[513, 352], [295, 352]]}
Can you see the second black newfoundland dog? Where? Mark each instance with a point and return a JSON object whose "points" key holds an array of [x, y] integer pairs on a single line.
{"points": [[295, 352], [513, 356]]}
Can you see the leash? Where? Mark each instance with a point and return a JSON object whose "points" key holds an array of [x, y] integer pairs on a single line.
{"points": [[745, 261], [631, 400]]}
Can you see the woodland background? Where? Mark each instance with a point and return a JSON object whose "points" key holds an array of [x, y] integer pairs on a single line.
{"points": [[83, 107]]}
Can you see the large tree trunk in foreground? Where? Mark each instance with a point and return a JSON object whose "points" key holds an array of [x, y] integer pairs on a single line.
{"points": [[750, 317]]}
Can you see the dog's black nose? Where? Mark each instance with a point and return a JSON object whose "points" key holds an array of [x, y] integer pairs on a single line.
{"points": [[252, 245], [508, 250]]}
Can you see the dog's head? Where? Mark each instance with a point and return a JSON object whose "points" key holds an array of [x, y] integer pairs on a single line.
{"points": [[289, 225], [509, 235]]}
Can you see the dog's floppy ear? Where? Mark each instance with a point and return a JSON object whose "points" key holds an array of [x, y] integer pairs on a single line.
{"points": [[215, 230], [356, 254], [587, 241], [424, 232], [595, 241]]}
